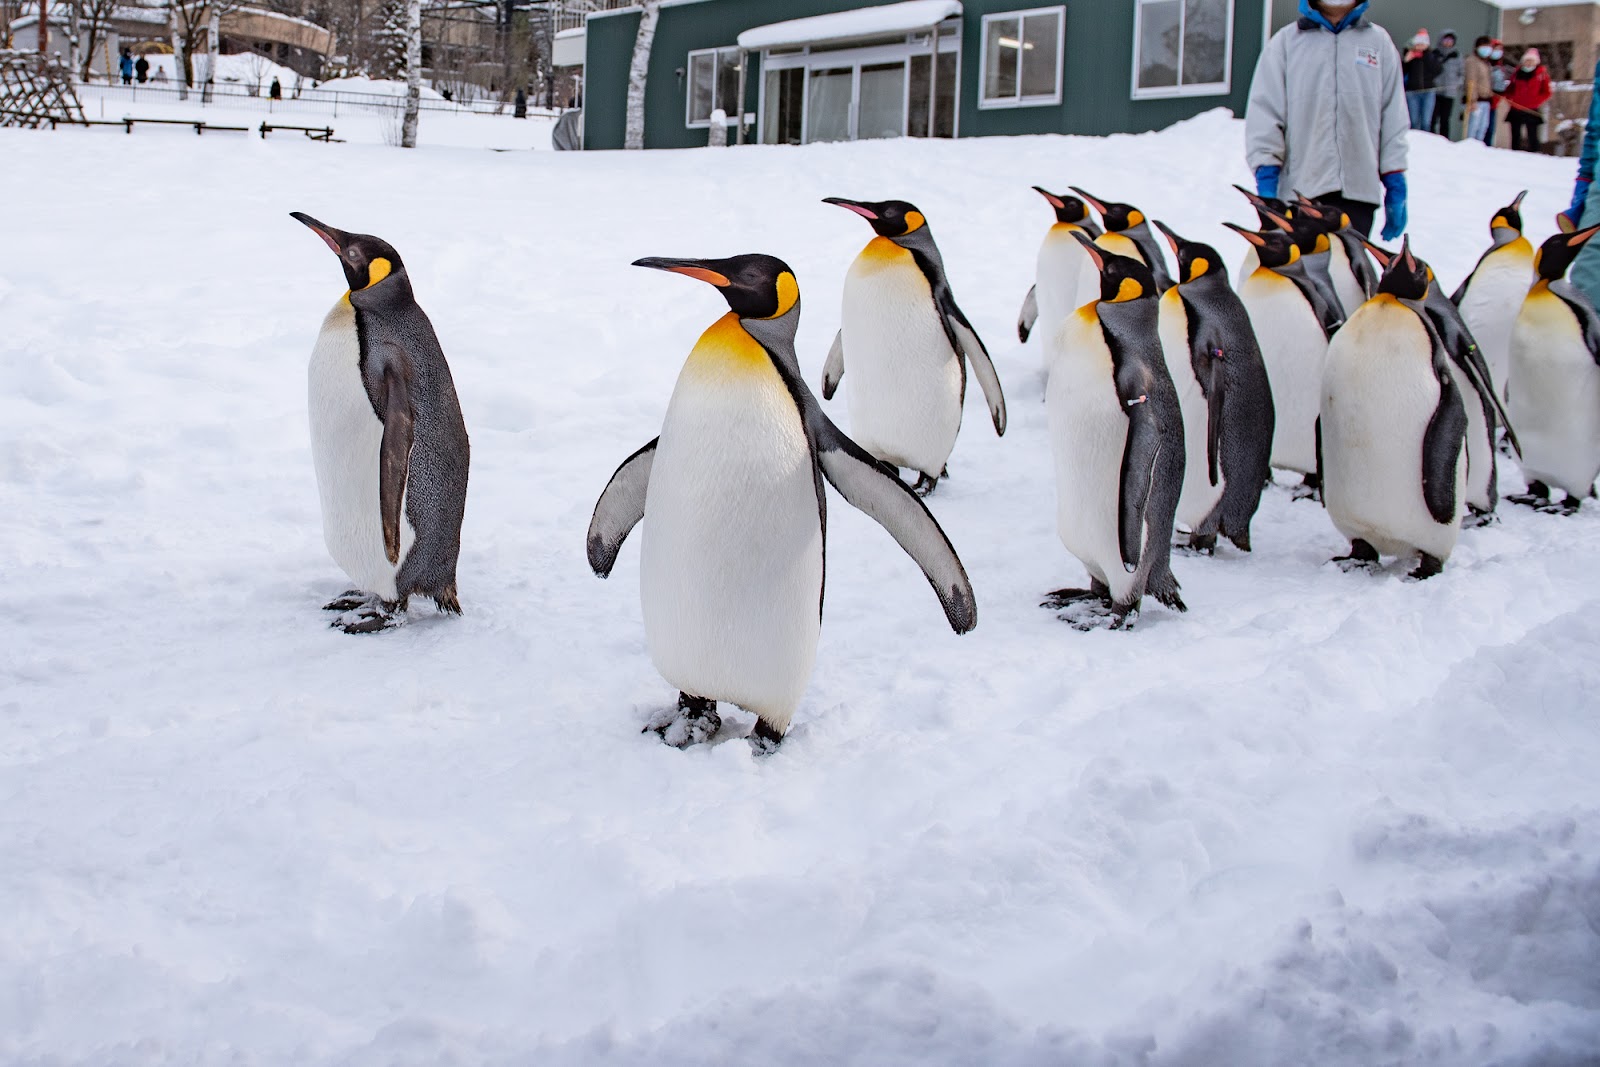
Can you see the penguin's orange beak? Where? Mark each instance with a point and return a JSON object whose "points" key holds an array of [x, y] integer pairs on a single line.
{"points": [[693, 268], [1098, 205], [335, 239], [1055, 201], [851, 205], [1382, 255], [1249, 235], [1172, 238], [1091, 248]]}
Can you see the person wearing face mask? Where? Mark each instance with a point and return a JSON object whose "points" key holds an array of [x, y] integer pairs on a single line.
{"points": [[1529, 91], [1477, 90], [1421, 70], [1313, 128], [1449, 84]]}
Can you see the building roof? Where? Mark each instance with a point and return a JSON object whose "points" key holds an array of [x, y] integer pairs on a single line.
{"points": [[904, 17]]}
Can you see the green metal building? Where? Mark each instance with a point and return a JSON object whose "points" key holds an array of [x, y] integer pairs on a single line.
{"points": [[831, 70]]}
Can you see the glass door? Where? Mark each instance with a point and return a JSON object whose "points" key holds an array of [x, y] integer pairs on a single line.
{"points": [[830, 95], [881, 101]]}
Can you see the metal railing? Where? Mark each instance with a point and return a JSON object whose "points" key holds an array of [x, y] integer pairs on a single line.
{"points": [[242, 97]]}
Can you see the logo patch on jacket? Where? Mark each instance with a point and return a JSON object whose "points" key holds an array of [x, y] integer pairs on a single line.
{"points": [[1367, 57]]}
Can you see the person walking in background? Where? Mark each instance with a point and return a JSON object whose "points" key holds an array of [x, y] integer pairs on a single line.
{"points": [[1451, 77], [276, 89], [1530, 90], [1585, 207], [143, 69], [1499, 82], [1421, 68], [520, 106], [1311, 128], [125, 64], [1477, 92]]}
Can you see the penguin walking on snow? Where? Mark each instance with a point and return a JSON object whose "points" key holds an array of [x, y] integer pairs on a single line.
{"points": [[1065, 279], [1293, 320], [735, 520], [908, 346], [1215, 364], [1128, 234], [1393, 428], [1117, 434], [1491, 296], [387, 438], [1555, 380], [1485, 414]]}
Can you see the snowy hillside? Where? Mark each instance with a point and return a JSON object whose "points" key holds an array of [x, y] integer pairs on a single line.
{"points": [[1323, 818]]}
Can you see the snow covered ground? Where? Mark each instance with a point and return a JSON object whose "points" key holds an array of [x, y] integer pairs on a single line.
{"points": [[1323, 818]]}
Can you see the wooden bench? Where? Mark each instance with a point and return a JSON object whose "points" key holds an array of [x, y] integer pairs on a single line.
{"points": [[316, 133], [200, 126]]}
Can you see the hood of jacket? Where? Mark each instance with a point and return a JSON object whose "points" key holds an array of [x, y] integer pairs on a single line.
{"points": [[1309, 14]]}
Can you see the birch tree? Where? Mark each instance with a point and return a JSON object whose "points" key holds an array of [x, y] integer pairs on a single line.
{"points": [[74, 30], [408, 129], [638, 71], [96, 18]]}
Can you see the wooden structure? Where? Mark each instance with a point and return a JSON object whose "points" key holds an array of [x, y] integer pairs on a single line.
{"points": [[35, 93]]}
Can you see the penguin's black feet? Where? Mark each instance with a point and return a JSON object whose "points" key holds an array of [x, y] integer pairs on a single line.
{"points": [[348, 600], [1066, 598], [1310, 488], [925, 485], [764, 739], [1199, 544], [374, 615], [1362, 557], [1569, 506], [1125, 616], [1537, 496], [1476, 517], [695, 722], [1241, 540], [1427, 567]]}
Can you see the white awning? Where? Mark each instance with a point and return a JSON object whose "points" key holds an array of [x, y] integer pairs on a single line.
{"points": [[906, 17]]}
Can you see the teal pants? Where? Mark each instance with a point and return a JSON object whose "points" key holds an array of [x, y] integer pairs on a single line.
{"points": [[1585, 271]]}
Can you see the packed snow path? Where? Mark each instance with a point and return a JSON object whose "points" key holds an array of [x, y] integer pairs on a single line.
{"points": [[1342, 819]]}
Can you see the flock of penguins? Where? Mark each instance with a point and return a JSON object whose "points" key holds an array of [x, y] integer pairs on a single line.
{"points": [[1171, 399]]}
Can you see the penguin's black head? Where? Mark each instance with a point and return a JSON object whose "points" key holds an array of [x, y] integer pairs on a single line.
{"points": [[1510, 216], [1195, 260], [889, 218], [1122, 279], [1266, 207], [1069, 209], [755, 286], [1315, 224], [366, 260], [1117, 217], [1557, 253], [1406, 276], [1274, 248]]}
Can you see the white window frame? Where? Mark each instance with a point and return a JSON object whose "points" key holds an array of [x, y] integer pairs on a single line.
{"points": [[688, 88], [1221, 88], [986, 103]]}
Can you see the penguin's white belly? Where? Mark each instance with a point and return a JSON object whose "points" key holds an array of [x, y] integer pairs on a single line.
{"points": [[1480, 445], [1199, 497], [346, 437], [903, 380], [1490, 305], [731, 561], [1247, 267], [1063, 284], [1378, 397], [1345, 286], [1555, 396], [1088, 433], [1293, 347]]}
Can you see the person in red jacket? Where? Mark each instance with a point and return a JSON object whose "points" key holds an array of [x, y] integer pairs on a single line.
{"points": [[1527, 93]]}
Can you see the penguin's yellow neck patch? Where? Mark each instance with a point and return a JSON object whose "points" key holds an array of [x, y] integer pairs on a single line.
{"points": [[788, 293], [1499, 223], [1118, 245], [882, 251], [1197, 267], [1294, 253], [377, 271], [726, 350], [1066, 229], [915, 221], [1129, 289], [1134, 218], [1323, 245]]}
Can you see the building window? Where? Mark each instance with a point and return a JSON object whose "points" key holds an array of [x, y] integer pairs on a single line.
{"points": [[713, 83], [1022, 57], [1182, 47]]}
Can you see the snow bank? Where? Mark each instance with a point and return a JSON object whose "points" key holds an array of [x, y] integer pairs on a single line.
{"points": [[375, 86], [1323, 818]]}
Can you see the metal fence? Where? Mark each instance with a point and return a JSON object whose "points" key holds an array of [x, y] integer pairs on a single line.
{"points": [[307, 101]]}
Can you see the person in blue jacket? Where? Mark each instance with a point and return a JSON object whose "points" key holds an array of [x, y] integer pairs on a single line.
{"points": [[1585, 207], [126, 66], [1327, 115]]}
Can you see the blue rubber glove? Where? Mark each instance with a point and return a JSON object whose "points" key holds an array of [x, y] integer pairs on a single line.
{"points": [[1267, 181], [1394, 205], [1568, 220]]}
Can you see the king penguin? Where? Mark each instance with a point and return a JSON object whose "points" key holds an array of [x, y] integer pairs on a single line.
{"points": [[1065, 280], [908, 345], [387, 439], [1311, 236], [1393, 428], [1354, 280], [1127, 226], [1492, 295], [1555, 382], [1215, 363], [1293, 320], [735, 519], [1485, 413], [1116, 431]]}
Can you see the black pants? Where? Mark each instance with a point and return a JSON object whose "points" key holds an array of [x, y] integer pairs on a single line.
{"points": [[1360, 211], [1444, 107], [1524, 130]]}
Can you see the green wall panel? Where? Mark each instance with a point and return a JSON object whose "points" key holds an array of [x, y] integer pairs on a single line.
{"points": [[1402, 18]]}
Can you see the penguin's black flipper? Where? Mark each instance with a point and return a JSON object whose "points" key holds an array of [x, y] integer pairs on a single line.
{"points": [[394, 455], [966, 341], [1139, 456], [619, 508], [1029, 315], [1322, 301], [1360, 265], [1588, 318], [1463, 350], [833, 369], [1444, 439], [874, 487], [1206, 356]]}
